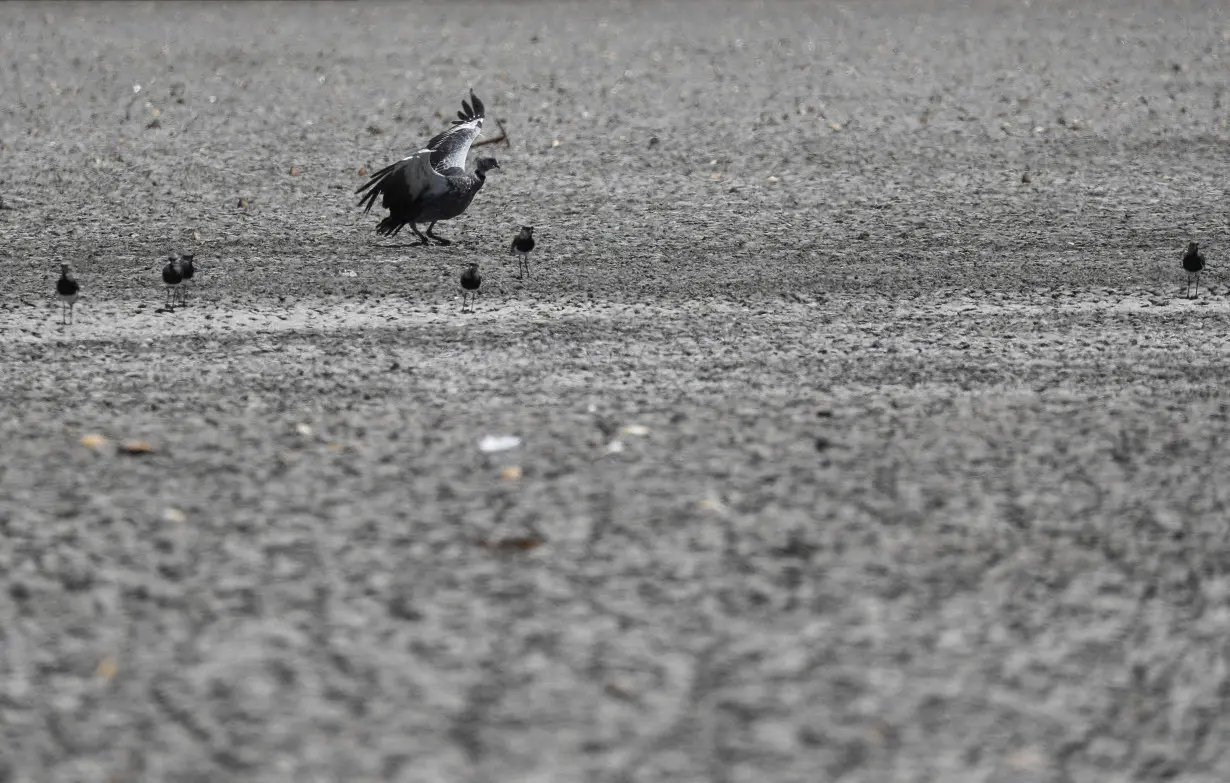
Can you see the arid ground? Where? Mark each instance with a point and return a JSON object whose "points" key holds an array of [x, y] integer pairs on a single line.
{"points": [[865, 431]]}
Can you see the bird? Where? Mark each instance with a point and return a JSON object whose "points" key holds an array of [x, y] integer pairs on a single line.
{"points": [[1193, 262], [67, 289], [470, 281], [187, 268], [522, 244], [172, 275], [432, 184]]}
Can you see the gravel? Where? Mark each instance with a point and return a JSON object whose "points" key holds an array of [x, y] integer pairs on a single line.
{"points": [[842, 452]]}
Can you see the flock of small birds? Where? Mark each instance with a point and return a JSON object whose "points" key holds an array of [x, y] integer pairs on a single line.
{"points": [[430, 186], [176, 272]]}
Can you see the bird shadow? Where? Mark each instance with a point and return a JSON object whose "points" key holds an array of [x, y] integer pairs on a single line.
{"points": [[456, 244]]}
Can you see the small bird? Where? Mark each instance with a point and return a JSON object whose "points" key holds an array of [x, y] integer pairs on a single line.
{"points": [[172, 275], [522, 244], [1193, 262], [432, 184], [187, 268], [67, 289], [470, 281]]}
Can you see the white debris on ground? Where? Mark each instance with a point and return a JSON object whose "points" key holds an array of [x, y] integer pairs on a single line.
{"points": [[493, 443]]}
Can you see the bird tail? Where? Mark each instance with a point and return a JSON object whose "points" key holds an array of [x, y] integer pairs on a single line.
{"points": [[377, 184], [389, 226]]}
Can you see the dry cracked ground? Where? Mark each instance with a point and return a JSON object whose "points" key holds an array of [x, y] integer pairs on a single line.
{"points": [[847, 451]]}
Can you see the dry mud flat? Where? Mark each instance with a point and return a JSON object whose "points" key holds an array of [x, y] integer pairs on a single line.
{"points": [[893, 467]]}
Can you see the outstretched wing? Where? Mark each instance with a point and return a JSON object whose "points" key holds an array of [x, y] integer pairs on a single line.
{"points": [[425, 173], [405, 182], [450, 148]]}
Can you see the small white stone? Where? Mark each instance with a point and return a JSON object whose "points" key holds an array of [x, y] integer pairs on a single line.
{"points": [[491, 443]]}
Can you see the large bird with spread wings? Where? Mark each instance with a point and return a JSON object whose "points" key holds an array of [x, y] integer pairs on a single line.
{"points": [[432, 184]]}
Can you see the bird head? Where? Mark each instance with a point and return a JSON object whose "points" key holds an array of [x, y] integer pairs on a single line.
{"points": [[527, 232], [472, 267], [64, 269], [1192, 247], [483, 165]]}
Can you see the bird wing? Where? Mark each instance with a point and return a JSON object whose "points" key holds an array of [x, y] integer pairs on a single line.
{"points": [[449, 148], [406, 181], [423, 178], [426, 173]]}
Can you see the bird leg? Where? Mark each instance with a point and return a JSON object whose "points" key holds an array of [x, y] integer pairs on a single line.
{"points": [[438, 239], [422, 239], [1197, 296]]}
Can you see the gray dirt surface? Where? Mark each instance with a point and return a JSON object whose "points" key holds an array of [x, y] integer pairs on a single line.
{"points": [[846, 454]]}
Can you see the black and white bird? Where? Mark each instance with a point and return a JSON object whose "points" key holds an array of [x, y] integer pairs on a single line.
{"points": [[432, 184], [1193, 262], [187, 268], [67, 290], [522, 244], [470, 281], [172, 275]]}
